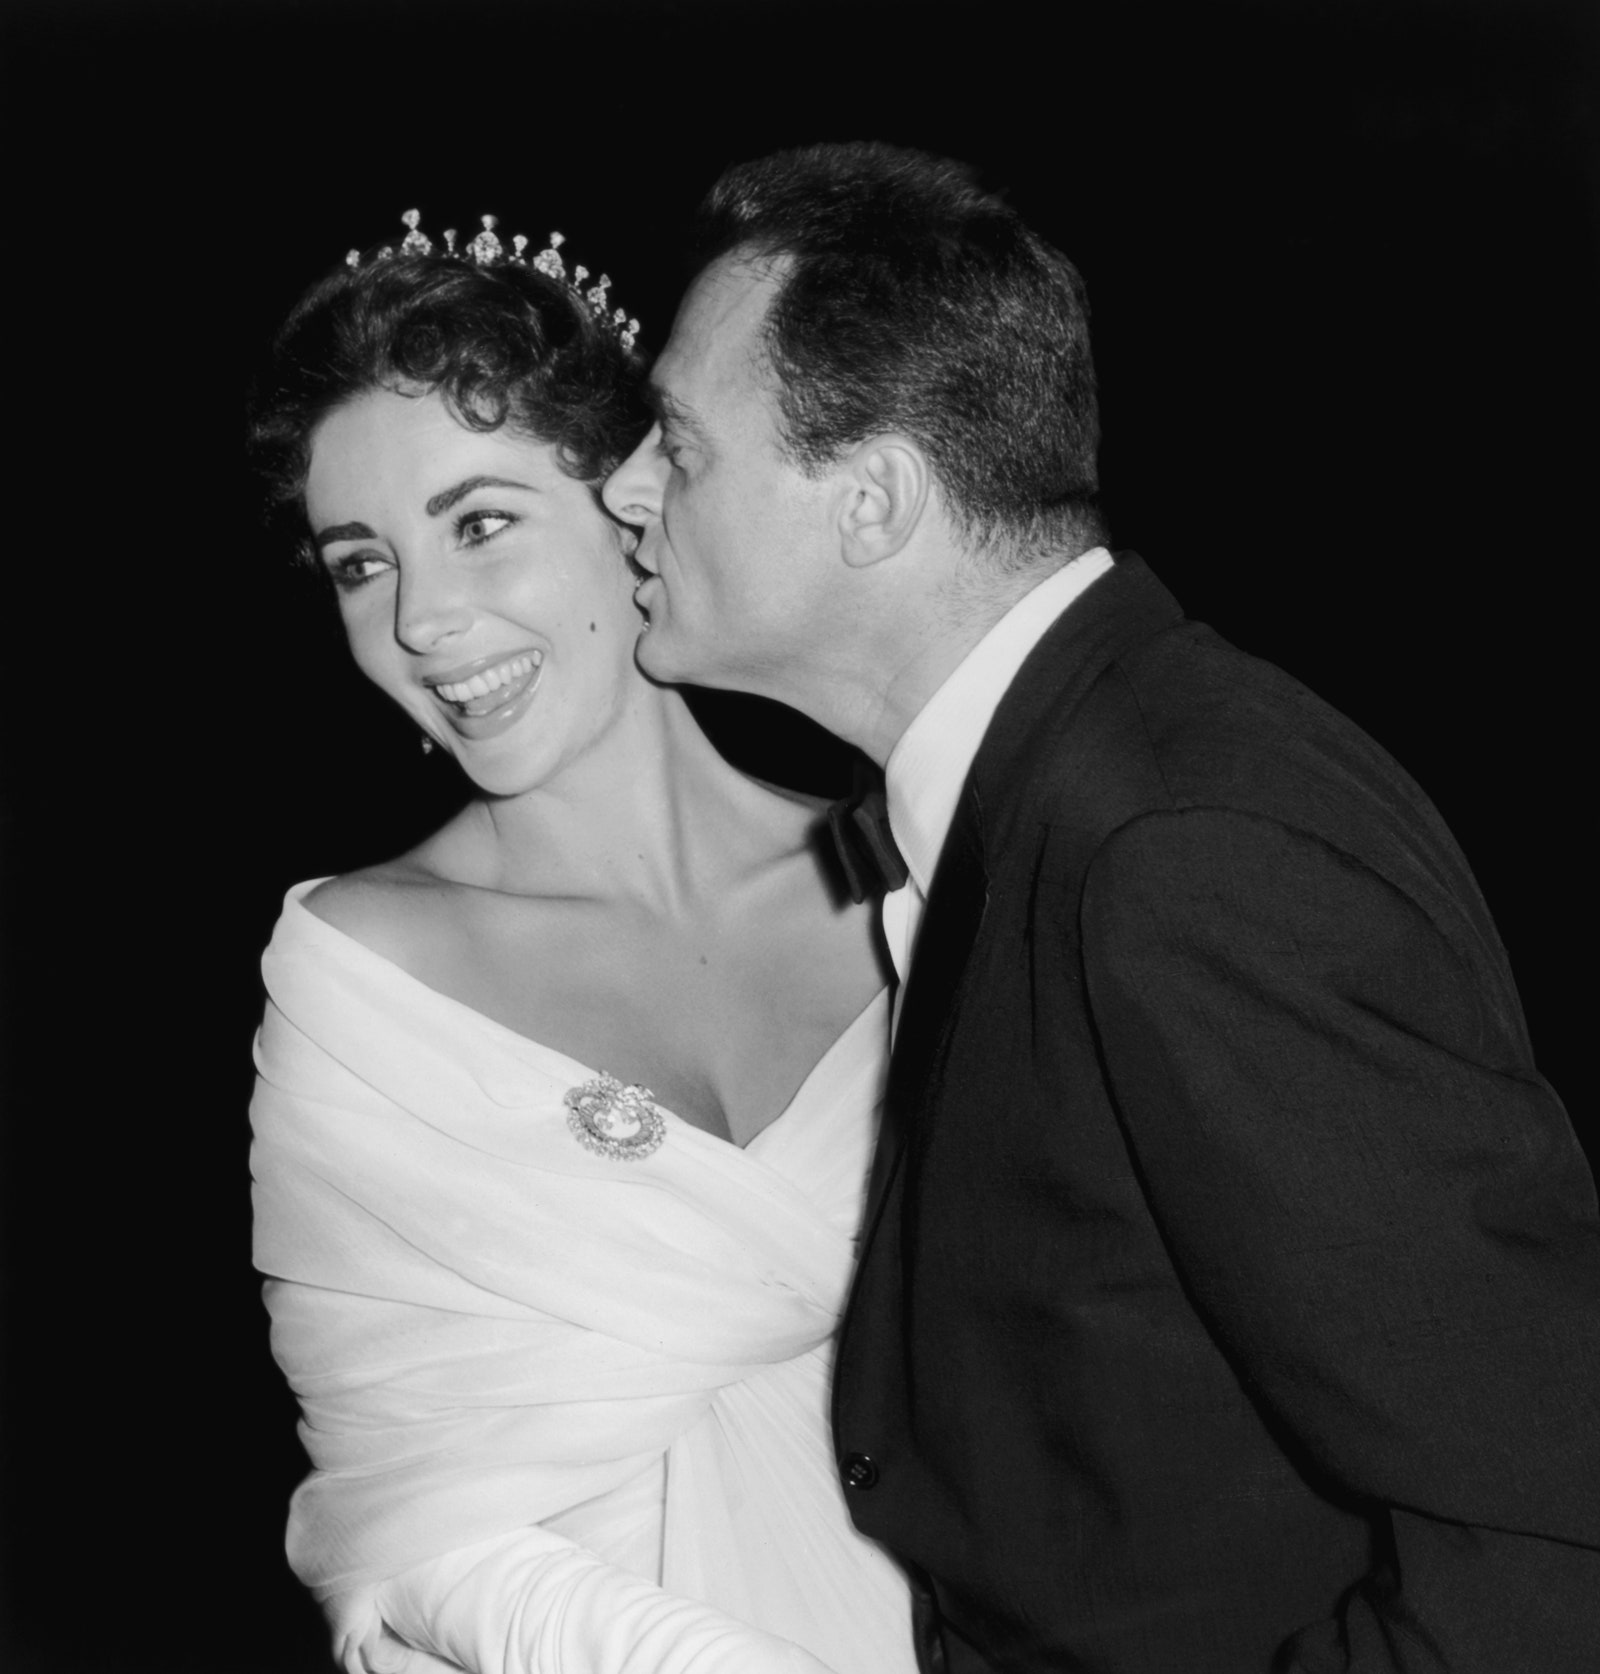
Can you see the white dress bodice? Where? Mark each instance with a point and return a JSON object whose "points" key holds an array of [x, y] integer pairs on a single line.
{"points": [[549, 1393]]}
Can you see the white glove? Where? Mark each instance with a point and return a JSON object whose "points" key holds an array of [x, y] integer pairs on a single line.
{"points": [[532, 1603]]}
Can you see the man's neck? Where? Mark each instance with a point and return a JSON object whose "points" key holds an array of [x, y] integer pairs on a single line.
{"points": [[911, 657]]}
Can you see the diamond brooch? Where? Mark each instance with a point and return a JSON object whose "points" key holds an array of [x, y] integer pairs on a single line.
{"points": [[615, 1121]]}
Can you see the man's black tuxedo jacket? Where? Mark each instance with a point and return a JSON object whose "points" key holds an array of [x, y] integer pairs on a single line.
{"points": [[1229, 1296]]}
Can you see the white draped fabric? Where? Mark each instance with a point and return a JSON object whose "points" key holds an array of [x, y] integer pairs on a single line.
{"points": [[566, 1413]]}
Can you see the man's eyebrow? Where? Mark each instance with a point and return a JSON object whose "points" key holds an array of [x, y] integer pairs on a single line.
{"points": [[669, 410], [342, 532], [446, 498]]}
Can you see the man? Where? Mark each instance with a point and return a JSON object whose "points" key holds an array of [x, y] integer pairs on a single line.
{"points": [[1228, 1293]]}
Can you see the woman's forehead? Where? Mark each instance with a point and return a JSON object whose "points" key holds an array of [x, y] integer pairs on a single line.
{"points": [[386, 445]]}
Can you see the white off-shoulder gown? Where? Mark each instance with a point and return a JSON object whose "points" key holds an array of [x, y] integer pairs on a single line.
{"points": [[567, 1413]]}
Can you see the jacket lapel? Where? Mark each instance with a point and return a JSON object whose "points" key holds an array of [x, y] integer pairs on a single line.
{"points": [[1121, 610], [1124, 607]]}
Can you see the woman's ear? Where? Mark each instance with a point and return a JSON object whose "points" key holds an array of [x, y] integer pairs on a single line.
{"points": [[888, 482]]}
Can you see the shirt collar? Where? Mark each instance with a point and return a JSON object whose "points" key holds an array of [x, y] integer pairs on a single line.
{"points": [[928, 766]]}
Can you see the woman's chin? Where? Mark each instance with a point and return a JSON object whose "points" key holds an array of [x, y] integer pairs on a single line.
{"points": [[502, 778]]}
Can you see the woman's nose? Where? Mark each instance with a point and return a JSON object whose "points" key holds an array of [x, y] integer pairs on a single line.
{"points": [[429, 610], [632, 492]]}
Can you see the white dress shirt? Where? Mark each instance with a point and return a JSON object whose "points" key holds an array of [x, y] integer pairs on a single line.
{"points": [[929, 765]]}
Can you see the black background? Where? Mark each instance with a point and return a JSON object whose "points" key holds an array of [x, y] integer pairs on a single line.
{"points": [[1344, 260]]}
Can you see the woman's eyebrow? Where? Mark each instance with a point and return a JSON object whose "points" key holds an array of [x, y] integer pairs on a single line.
{"points": [[343, 532], [446, 498]]}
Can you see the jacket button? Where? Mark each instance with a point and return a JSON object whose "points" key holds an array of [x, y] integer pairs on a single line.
{"points": [[859, 1471]]}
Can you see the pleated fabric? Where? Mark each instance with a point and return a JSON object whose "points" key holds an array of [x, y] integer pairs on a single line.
{"points": [[571, 1373]]}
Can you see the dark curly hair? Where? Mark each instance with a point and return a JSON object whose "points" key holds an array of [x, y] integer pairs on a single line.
{"points": [[504, 345]]}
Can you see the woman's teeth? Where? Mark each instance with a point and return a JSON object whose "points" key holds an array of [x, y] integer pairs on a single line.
{"points": [[489, 680]]}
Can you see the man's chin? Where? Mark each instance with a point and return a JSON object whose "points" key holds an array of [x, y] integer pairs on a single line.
{"points": [[658, 657]]}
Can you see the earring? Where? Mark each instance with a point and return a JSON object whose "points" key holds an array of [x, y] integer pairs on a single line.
{"points": [[427, 745]]}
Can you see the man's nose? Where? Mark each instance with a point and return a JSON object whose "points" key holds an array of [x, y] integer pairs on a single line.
{"points": [[632, 492]]}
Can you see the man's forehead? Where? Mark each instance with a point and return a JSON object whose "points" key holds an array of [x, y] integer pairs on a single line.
{"points": [[714, 347]]}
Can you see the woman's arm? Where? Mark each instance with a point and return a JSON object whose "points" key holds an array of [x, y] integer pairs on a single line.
{"points": [[532, 1603]]}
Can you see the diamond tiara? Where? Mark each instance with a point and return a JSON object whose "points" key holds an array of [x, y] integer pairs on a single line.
{"points": [[486, 250]]}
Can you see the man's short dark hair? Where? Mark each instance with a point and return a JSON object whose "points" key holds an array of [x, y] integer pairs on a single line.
{"points": [[912, 300]]}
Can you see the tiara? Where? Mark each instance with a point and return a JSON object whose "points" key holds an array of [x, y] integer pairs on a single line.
{"points": [[486, 250]]}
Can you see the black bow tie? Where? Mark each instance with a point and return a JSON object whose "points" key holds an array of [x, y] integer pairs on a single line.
{"points": [[872, 862]]}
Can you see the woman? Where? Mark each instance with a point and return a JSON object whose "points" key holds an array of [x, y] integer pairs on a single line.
{"points": [[561, 1342]]}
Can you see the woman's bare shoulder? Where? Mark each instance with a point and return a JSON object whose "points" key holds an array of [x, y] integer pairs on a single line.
{"points": [[388, 908]]}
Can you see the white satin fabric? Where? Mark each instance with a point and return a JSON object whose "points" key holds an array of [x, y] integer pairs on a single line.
{"points": [[567, 1414]]}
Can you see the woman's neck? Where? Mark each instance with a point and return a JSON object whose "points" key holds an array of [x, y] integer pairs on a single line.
{"points": [[651, 812]]}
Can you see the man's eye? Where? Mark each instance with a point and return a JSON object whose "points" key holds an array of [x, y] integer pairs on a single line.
{"points": [[474, 528]]}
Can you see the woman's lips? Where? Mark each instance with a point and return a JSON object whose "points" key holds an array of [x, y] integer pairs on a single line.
{"points": [[485, 677], [488, 697]]}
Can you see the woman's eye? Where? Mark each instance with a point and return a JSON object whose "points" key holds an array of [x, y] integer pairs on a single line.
{"points": [[355, 570], [474, 528]]}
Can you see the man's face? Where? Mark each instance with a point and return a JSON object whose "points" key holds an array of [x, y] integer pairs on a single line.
{"points": [[735, 535]]}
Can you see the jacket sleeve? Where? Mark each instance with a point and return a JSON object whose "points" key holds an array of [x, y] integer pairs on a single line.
{"points": [[533, 1603], [1382, 1215]]}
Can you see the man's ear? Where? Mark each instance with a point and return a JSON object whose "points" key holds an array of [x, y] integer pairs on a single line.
{"points": [[887, 485]]}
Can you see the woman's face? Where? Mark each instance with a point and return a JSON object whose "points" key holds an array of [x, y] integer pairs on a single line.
{"points": [[482, 588]]}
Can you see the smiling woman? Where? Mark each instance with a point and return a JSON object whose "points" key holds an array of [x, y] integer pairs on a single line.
{"points": [[475, 578], [555, 1421]]}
